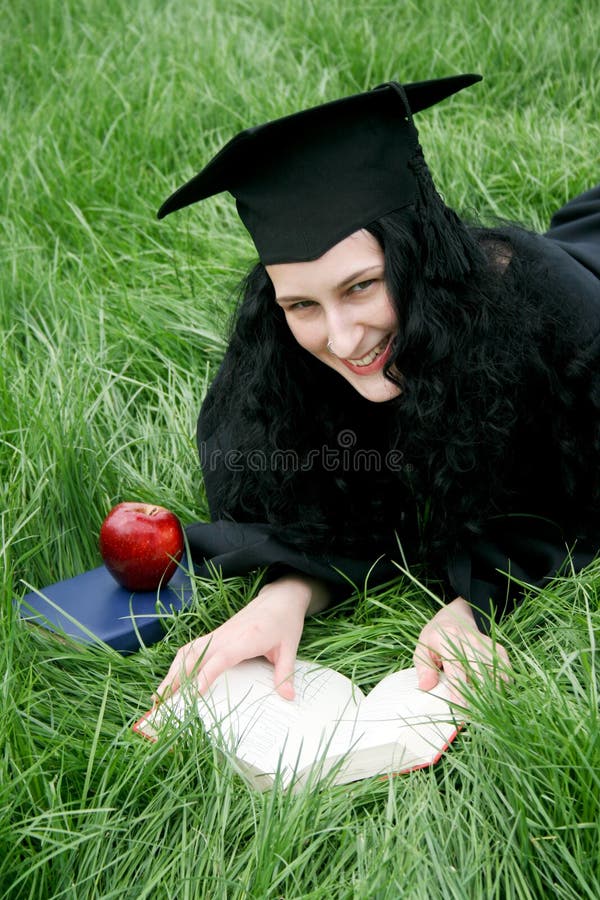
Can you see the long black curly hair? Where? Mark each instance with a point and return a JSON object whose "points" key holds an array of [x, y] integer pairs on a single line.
{"points": [[475, 350]]}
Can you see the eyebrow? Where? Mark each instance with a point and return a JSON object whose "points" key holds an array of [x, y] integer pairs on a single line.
{"points": [[342, 284]]}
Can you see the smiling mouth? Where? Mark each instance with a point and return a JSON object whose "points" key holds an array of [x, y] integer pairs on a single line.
{"points": [[373, 361], [372, 355]]}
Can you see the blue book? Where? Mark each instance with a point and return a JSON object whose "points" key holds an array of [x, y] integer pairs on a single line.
{"points": [[92, 607]]}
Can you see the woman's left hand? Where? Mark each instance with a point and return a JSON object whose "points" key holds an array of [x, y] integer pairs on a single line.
{"points": [[451, 641]]}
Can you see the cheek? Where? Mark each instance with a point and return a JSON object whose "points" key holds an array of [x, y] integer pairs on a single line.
{"points": [[306, 334], [390, 314]]}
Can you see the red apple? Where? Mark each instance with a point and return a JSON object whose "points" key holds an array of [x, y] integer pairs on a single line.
{"points": [[141, 544]]}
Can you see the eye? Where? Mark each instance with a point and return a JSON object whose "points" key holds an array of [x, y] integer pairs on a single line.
{"points": [[301, 304], [361, 286]]}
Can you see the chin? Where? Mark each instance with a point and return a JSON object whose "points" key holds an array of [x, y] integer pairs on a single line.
{"points": [[379, 392]]}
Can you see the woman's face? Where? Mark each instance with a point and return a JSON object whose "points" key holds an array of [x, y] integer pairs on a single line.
{"points": [[341, 299]]}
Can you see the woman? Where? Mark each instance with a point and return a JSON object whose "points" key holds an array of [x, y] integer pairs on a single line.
{"points": [[398, 386]]}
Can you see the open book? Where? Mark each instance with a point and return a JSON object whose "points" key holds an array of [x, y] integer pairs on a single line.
{"points": [[331, 730]]}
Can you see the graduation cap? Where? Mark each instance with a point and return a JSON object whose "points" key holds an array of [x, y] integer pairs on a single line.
{"points": [[306, 181]]}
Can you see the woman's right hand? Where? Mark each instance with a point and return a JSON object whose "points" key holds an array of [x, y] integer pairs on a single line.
{"points": [[270, 625]]}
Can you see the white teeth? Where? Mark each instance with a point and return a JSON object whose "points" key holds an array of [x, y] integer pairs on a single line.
{"points": [[372, 355]]}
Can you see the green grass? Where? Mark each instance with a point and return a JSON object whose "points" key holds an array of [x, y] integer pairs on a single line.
{"points": [[111, 326]]}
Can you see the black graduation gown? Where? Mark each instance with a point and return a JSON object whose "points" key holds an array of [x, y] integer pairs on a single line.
{"points": [[531, 549]]}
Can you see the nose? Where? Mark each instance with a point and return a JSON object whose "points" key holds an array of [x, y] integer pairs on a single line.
{"points": [[344, 333]]}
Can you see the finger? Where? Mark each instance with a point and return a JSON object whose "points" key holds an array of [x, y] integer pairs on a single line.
{"points": [[487, 661], [170, 682], [186, 660], [427, 663], [503, 667], [428, 677], [283, 676], [426, 667], [425, 655], [215, 665], [456, 678]]}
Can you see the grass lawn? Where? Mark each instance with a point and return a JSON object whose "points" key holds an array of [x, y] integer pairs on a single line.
{"points": [[112, 325]]}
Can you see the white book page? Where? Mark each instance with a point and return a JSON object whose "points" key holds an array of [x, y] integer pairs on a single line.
{"points": [[243, 712], [396, 712]]}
